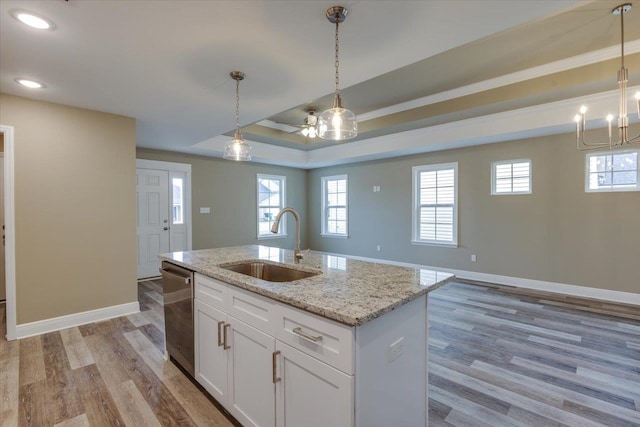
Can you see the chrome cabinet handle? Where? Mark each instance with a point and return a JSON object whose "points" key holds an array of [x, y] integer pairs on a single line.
{"points": [[224, 330], [303, 334], [168, 273], [274, 361], [220, 343]]}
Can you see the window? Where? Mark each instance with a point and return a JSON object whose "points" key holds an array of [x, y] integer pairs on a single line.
{"points": [[271, 199], [435, 206], [334, 206], [612, 171], [177, 204], [511, 177]]}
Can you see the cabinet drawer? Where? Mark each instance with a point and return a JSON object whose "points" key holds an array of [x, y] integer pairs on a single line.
{"points": [[328, 341], [251, 308], [211, 291]]}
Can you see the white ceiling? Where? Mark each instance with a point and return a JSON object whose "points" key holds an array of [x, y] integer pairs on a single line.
{"points": [[167, 63]]}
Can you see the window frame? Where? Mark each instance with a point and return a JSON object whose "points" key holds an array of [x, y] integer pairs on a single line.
{"points": [[587, 171], [510, 162], [415, 216], [283, 194], [324, 206]]}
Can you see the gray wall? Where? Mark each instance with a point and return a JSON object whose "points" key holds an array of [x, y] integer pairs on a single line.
{"points": [[229, 188], [75, 208], [558, 234]]}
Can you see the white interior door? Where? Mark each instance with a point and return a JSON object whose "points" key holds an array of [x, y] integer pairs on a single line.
{"points": [[153, 219], [3, 293]]}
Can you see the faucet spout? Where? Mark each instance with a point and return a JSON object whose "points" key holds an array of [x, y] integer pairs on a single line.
{"points": [[297, 253]]}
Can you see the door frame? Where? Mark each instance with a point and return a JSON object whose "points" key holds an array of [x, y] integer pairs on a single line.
{"points": [[175, 167], [9, 231]]}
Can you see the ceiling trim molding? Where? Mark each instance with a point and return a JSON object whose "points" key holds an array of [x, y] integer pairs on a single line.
{"points": [[507, 79], [278, 126], [539, 120]]}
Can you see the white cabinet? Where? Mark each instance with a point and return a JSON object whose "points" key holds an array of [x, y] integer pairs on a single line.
{"points": [[234, 364], [270, 364], [211, 358], [311, 393], [251, 397]]}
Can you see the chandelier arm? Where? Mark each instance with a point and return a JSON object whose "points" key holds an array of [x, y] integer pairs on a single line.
{"points": [[634, 140]]}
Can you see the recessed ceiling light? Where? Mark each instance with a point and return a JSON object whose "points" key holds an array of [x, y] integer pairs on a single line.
{"points": [[32, 20], [31, 84]]}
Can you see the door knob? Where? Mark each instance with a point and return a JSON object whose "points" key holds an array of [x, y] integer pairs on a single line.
{"points": [[165, 228]]}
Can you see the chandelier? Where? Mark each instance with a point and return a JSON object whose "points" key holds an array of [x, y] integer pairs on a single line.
{"points": [[623, 118], [237, 149], [337, 123]]}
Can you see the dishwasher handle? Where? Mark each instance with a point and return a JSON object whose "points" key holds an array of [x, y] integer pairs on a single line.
{"points": [[173, 275]]}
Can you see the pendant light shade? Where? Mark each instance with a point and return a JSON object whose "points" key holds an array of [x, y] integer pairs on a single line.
{"points": [[337, 123], [237, 149]]}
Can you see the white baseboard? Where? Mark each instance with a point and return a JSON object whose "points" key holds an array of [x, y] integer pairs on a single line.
{"points": [[69, 321], [557, 288]]}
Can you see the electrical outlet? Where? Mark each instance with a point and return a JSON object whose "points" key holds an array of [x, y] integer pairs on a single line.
{"points": [[378, 248], [396, 349], [474, 258]]}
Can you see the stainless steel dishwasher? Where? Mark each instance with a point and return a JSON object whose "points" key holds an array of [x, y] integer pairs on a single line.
{"points": [[177, 290]]}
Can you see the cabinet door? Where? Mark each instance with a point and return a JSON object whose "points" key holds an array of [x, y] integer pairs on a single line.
{"points": [[251, 397], [211, 359], [311, 393]]}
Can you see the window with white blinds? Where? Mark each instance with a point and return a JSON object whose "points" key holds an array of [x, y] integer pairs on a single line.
{"points": [[511, 177], [335, 218], [435, 210], [612, 171]]}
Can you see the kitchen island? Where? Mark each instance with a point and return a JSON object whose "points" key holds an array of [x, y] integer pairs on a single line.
{"points": [[345, 346]]}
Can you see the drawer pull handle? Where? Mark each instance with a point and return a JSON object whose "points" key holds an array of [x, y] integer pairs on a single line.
{"points": [[274, 361], [303, 334], [220, 343], [224, 330]]}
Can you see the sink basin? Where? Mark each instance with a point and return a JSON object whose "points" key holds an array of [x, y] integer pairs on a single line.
{"points": [[269, 272]]}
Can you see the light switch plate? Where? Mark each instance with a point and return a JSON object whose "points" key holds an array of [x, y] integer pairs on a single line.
{"points": [[205, 210]]}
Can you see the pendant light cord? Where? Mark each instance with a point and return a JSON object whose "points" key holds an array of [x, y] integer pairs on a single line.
{"points": [[337, 60], [622, 33], [237, 107]]}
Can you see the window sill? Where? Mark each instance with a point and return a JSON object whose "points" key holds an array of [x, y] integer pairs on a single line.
{"points": [[611, 190], [423, 243], [512, 193], [271, 236], [335, 236]]}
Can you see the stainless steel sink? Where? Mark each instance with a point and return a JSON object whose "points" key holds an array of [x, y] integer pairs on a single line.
{"points": [[269, 272]]}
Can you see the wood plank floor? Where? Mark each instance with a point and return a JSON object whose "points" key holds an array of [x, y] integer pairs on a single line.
{"points": [[109, 373], [498, 357], [511, 357]]}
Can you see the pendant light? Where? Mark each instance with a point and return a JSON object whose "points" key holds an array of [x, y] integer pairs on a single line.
{"points": [[337, 123], [237, 149]]}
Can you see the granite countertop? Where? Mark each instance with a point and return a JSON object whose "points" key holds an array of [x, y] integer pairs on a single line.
{"points": [[349, 291]]}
